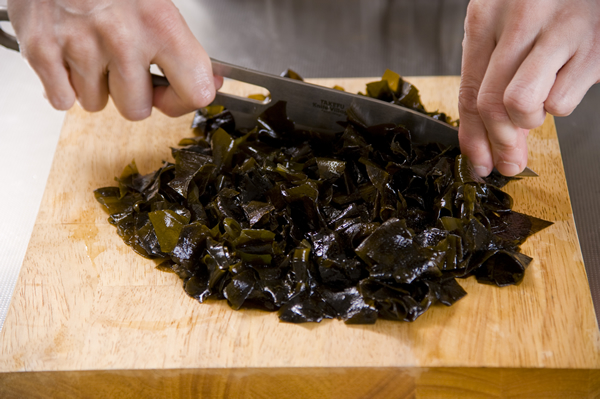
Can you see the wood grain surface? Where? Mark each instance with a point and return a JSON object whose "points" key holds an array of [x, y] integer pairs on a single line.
{"points": [[87, 311]]}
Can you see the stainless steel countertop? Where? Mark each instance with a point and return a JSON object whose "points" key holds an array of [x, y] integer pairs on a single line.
{"points": [[316, 38]]}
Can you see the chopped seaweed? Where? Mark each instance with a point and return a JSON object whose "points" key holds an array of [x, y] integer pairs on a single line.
{"points": [[367, 225]]}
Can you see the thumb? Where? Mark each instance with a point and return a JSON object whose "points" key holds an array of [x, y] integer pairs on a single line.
{"points": [[188, 69]]}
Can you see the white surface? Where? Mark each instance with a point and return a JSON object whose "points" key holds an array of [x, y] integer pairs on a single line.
{"points": [[29, 130]]}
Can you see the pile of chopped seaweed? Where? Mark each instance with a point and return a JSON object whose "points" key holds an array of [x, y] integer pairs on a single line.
{"points": [[356, 226]]}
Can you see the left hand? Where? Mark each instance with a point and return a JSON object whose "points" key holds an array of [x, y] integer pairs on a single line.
{"points": [[521, 59]]}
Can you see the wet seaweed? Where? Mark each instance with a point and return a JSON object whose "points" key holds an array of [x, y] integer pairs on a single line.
{"points": [[363, 226]]}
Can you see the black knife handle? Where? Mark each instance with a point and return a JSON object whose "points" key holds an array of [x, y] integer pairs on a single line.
{"points": [[6, 40]]}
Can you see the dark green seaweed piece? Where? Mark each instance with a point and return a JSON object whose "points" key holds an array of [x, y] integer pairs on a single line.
{"points": [[288, 73], [187, 165], [211, 118], [447, 291], [274, 124], [397, 301], [392, 88], [391, 254], [110, 198], [222, 145], [302, 308], [330, 168], [515, 227], [503, 268], [257, 210], [190, 245], [240, 288], [168, 226], [349, 305], [362, 225]]}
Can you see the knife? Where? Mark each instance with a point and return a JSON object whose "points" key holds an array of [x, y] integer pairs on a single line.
{"points": [[310, 106]]}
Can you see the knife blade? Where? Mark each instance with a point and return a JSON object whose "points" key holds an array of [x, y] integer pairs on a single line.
{"points": [[319, 108], [310, 106]]}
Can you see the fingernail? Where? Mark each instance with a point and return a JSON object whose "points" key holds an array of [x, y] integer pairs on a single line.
{"points": [[481, 170], [508, 168]]}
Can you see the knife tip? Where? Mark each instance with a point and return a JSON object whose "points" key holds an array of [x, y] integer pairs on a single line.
{"points": [[527, 173]]}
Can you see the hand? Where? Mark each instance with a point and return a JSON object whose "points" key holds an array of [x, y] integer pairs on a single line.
{"points": [[521, 59], [90, 49]]}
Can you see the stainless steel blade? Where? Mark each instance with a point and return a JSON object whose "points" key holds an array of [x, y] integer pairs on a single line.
{"points": [[319, 108]]}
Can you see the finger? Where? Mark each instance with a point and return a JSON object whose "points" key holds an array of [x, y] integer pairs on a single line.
{"points": [[572, 83], [46, 60], [188, 69], [526, 94], [87, 77], [508, 141], [130, 86], [218, 82], [91, 88], [478, 46]]}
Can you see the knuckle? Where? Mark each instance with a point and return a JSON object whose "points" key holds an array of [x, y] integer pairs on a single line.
{"points": [[476, 19], [521, 100], [474, 28], [504, 150], [491, 108], [471, 145], [81, 52], [520, 28], [560, 105], [128, 70], [164, 19], [38, 51], [118, 39], [504, 144], [467, 97]]}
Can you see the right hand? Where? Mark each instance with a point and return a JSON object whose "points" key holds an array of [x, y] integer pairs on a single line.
{"points": [[90, 49]]}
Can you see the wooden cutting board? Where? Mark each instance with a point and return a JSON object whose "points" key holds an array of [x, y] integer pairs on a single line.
{"points": [[91, 318]]}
